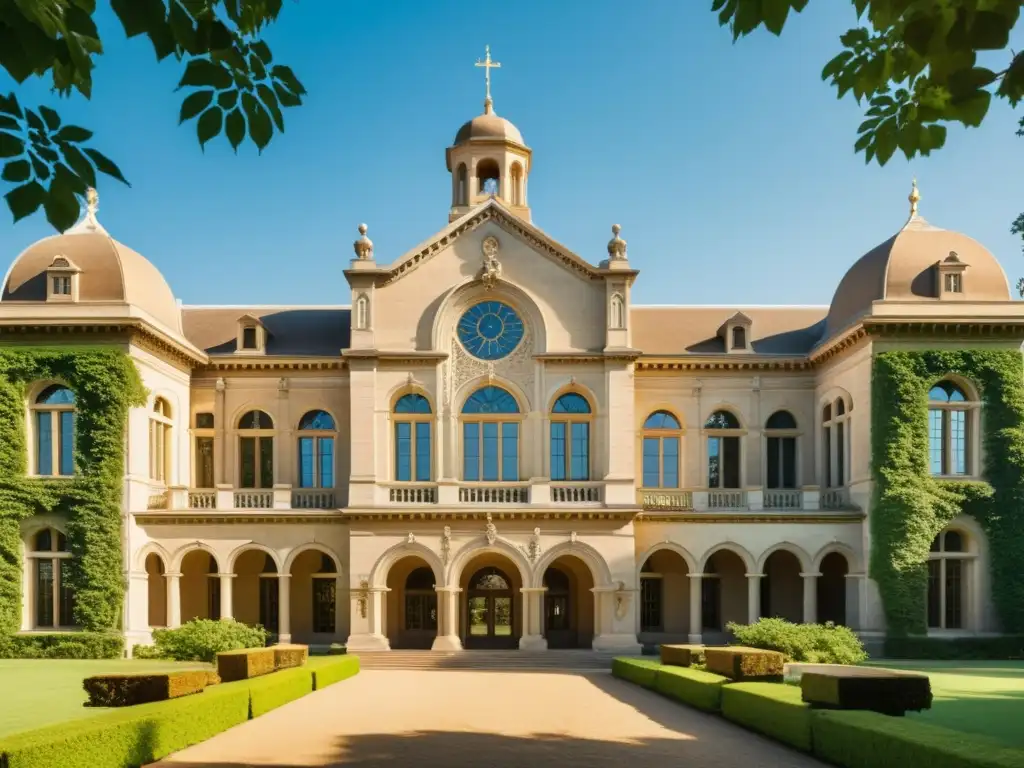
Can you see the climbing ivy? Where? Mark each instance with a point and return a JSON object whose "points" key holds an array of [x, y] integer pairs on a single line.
{"points": [[106, 384], [910, 507]]}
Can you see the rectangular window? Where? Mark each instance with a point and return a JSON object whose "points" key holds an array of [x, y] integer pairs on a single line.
{"points": [[213, 596], [67, 443], [249, 337], [652, 479], [510, 452], [323, 605], [269, 604], [44, 593], [935, 447], [827, 448], [789, 462], [325, 447], [403, 451], [471, 452], [44, 443], [958, 442], [772, 459], [714, 462], [204, 462], [954, 594], [954, 283], [307, 467], [650, 605], [67, 595], [266, 462], [423, 451], [247, 462], [204, 421], [62, 286], [558, 450], [711, 603], [934, 593], [730, 462], [840, 454], [670, 462], [580, 468], [490, 446]]}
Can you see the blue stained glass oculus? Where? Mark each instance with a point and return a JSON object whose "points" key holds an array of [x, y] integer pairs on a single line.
{"points": [[490, 330]]}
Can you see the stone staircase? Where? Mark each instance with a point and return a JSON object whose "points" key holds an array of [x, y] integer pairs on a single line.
{"points": [[527, 661]]}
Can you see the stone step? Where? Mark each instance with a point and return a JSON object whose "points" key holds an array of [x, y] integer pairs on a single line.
{"points": [[515, 660]]}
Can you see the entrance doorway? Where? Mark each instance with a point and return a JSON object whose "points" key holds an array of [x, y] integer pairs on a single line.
{"points": [[568, 603], [557, 610], [489, 610]]}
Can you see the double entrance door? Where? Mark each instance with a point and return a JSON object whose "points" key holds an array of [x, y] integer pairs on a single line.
{"points": [[489, 611]]}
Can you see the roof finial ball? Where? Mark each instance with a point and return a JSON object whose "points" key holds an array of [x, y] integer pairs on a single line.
{"points": [[364, 245], [616, 246], [914, 198]]}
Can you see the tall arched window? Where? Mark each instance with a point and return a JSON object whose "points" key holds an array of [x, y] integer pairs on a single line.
{"points": [[616, 312], [316, 450], [52, 597], [412, 438], [256, 450], [948, 429], [835, 421], [570, 438], [55, 431], [516, 192], [948, 573], [461, 193], [780, 453], [160, 446], [661, 442], [490, 436], [362, 312], [203, 462], [488, 176], [723, 450]]}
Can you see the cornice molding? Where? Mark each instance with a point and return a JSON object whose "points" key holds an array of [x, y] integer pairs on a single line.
{"points": [[422, 513], [759, 518], [273, 364], [232, 518], [724, 363]]}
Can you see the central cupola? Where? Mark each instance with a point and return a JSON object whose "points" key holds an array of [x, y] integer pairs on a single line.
{"points": [[488, 159]]}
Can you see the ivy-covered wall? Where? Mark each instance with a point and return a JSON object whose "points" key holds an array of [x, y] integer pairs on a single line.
{"points": [[106, 384], [910, 507]]}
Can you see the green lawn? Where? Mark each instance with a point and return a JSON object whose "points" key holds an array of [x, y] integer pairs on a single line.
{"points": [[984, 697], [38, 692]]}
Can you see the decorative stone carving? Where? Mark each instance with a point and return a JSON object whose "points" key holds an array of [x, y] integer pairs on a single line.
{"points": [[616, 246], [533, 549], [491, 272], [446, 545], [363, 595], [491, 530], [364, 245], [411, 539], [221, 385], [622, 596], [461, 368], [572, 537]]}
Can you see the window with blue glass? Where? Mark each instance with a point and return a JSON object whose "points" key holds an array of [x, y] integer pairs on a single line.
{"points": [[55, 431], [661, 438], [490, 330], [316, 450], [723, 450], [490, 436], [948, 434], [570, 438], [412, 418]]}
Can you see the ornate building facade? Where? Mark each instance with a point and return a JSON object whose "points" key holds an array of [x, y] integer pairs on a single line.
{"points": [[490, 445]]}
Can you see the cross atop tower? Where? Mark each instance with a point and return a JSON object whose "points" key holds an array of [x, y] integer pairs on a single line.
{"points": [[488, 65]]}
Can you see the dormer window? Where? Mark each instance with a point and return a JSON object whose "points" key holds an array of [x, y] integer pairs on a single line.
{"points": [[62, 280], [249, 337], [735, 333], [252, 336], [954, 283], [739, 337], [951, 276]]}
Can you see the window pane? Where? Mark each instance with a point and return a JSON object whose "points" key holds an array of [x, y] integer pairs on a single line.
{"points": [[958, 442], [789, 462], [557, 450], [44, 593], [423, 451], [204, 421], [204, 462], [325, 445], [213, 597], [307, 470], [773, 461], [247, 461], [323, 605], [670, 462], [510, 452], [67, 443], [841, 454], [490, 450], [730, 462], [934, 593], [266, 462], [935, 441], [651, 477], [714, 466], [269, 604], [650, 605], [954, 594], [580, 469], [44, 443], [67, 595], [827, 449], [471, 451], [403, 451]]}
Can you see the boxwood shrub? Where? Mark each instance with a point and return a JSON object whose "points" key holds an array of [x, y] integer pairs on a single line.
{"points": [[639, 671], [244, 664], [956, 648], [334, 671], [203, 639], [745, 664], [769, 708], [62, 645], [129, 690], [272, 691], [695, 687], [814, 643]]}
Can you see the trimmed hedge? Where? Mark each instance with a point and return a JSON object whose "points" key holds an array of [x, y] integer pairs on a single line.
{"points": [[695, 687], [273, 691], [640, 671], [334, 672], [870, 740], [865, 688], [769, 708], [62, 645], [129, 690], [681, 655], [244, 664], [287, 656], [932, 648], [745, 664]]}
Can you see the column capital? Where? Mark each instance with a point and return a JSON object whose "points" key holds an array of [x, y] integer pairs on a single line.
{"points": [[757, 575], [172, 574], [452, 590], [810, 575], [225, 575], [527, 590], [695, 575], [283, 576]]}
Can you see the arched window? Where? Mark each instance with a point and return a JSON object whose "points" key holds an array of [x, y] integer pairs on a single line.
{"points": [[835, 440], [948, 572], [488, 177], [420, 600], [616, 312], [412, 438], [53, 599], [160, 446], [256, 450], [723, 450], [570, 438], [316, 450], [461, 192], [490, 436], [948, 429], [516, 192], [661, 442], [55, 431], [362, 312], [780, 453], [204, 437]]}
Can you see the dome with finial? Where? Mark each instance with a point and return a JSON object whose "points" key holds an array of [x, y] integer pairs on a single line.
{"points": [[902, 269], [488, 126], [109, 271]]}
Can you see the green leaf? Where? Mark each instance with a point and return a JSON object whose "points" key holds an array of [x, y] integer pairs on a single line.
{"points": [[270, 102], [73, 133], [193, 104], [8, 123], [9, 105], [61, 203], [17, 171], [227, 99], [990, 31], [234, 128], [288, 79], [34, 122], [42, 170], [209, 125], [105, 165], [25, 200], [256, 67], [10, 145], [262, 50], [972, 110], [80, 164], [51, 117], [203, 72], [286, 97], [260, 128], [774, 13]]}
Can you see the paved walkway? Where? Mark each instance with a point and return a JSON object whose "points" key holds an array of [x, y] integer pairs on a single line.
{"points": [[431, 719]]}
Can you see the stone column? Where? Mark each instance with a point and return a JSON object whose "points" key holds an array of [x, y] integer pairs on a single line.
{"points": [[754, 596], [810, 597], [533, 622], [339, 590], [226, 605], [219, 435], [373, 639], [173, 599], [447, 620], [284, 607], [696, 619], [855, 618]]}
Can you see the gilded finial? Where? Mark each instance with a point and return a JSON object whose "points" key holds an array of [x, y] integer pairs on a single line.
{"points": [[92, 200], [616, 246], [364, 245], [488, 65], [89, 224], [914, 198]]}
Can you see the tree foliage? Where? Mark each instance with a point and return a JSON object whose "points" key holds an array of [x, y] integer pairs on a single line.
{"points": [[913, 63], [233, 86]]}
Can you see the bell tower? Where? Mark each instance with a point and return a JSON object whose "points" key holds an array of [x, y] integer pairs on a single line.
{"points": [[488, 159]]}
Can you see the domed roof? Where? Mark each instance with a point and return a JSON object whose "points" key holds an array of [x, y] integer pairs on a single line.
{"points": [[110, 272], [903, 268], [488, 126]]}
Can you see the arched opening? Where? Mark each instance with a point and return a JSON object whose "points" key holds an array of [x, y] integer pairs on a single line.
{"points": [[316, 450], [949, 430], [488, 178], [950, 574], [156, 583], [50, 592], [54, 421], [832, 588], [411, 618], [517, 197], [662, 436], [568, 604], [257, 593], [199, 586], [461, 186], [782, 587], [492, 613], [665, 599], [723, 597], [256, 450], [835, 444], [313, 603], [723, 450], [780, 451], [161, 447]]}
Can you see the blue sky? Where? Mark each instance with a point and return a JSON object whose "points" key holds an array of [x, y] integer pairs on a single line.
{"points": [[730, 167]]}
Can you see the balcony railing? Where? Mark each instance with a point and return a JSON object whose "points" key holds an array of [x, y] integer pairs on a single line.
{"points": [[202, 499], [726, 499], [665, 500], [314, 498], [254, 499], [575, 493], [783, 498], [836, 498], [412, 494], [494, 494]]}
